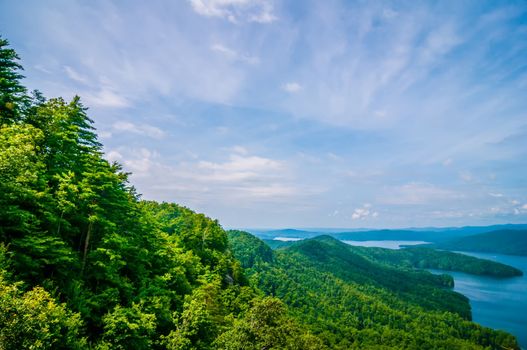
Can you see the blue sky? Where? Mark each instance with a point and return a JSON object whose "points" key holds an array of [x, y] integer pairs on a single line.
{"points": [[266, 113]]}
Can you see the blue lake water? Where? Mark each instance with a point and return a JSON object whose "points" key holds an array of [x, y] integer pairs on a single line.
{"points": [[497, 303]]}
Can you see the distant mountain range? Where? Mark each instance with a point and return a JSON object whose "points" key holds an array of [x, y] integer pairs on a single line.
{"points": [[513, 242], [432, 234]]}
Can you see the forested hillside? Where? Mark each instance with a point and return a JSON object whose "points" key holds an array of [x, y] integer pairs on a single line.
{"points": [[350, 301], [512, 242], [85, 264], [424, 258]]}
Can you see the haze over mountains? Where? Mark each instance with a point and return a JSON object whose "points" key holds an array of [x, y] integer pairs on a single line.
{"points": [[512, 242], [432, 234]]}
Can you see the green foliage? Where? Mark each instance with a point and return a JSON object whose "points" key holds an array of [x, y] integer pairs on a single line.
{"points": [[34, 320], [350, 301], [276, 244], [21, 187], [512, 242], [267, 326], [416, 257], [12, 93], [128, 328], [419, 287], [249, 249]]}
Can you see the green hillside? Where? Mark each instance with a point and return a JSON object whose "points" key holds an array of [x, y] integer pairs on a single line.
{"points": [[85, 264], [350, 301], [423, 258], [513, 242]]}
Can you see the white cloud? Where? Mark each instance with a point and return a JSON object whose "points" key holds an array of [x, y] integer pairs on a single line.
{"points": [[466, 176], [260, 11], [333, 156], [265, 15], [105, 98], [416, 193], [240, 150], [496, 195], [447, 162], [42, 68], [380, 113], [114, 156], [292, 87], [272, 190], [524, 207], [364, 212], [141, 129], [334, 213], [122, 65], [389, 13], [74, 75], [240, 167], [104, 134], [234, 55], [140, 161], [242, 178]]}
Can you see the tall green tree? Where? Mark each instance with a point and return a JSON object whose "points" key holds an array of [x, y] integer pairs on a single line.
{"points": [[13, 98]]}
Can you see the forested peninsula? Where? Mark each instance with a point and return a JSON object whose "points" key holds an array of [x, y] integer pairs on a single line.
{"points": [[86, 264], [513, 242]]}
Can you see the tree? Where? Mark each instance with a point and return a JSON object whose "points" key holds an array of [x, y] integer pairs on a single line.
{"points": [[34, 320], [21, 185], [13, 98], [128, 328], [267, 326]]}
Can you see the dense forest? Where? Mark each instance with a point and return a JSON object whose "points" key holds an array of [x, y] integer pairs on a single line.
{"points": [[351, 301], [425, 258], [86, 264], [513, 242]]}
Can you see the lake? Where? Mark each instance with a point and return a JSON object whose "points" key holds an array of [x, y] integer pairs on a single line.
{"points": [[497, 303]]}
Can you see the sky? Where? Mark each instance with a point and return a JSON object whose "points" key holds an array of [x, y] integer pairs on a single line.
{"points": [[272, 114]]}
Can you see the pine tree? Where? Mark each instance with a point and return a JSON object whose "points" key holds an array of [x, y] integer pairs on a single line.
{"points": [[13, 98]]}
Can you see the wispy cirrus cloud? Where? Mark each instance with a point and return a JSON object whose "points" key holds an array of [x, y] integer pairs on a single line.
{"points": [[234, 55], [277, 113], [74, 75], [140, 129], [260, 11], [415, 193], [292, 87], [106, 98]]}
